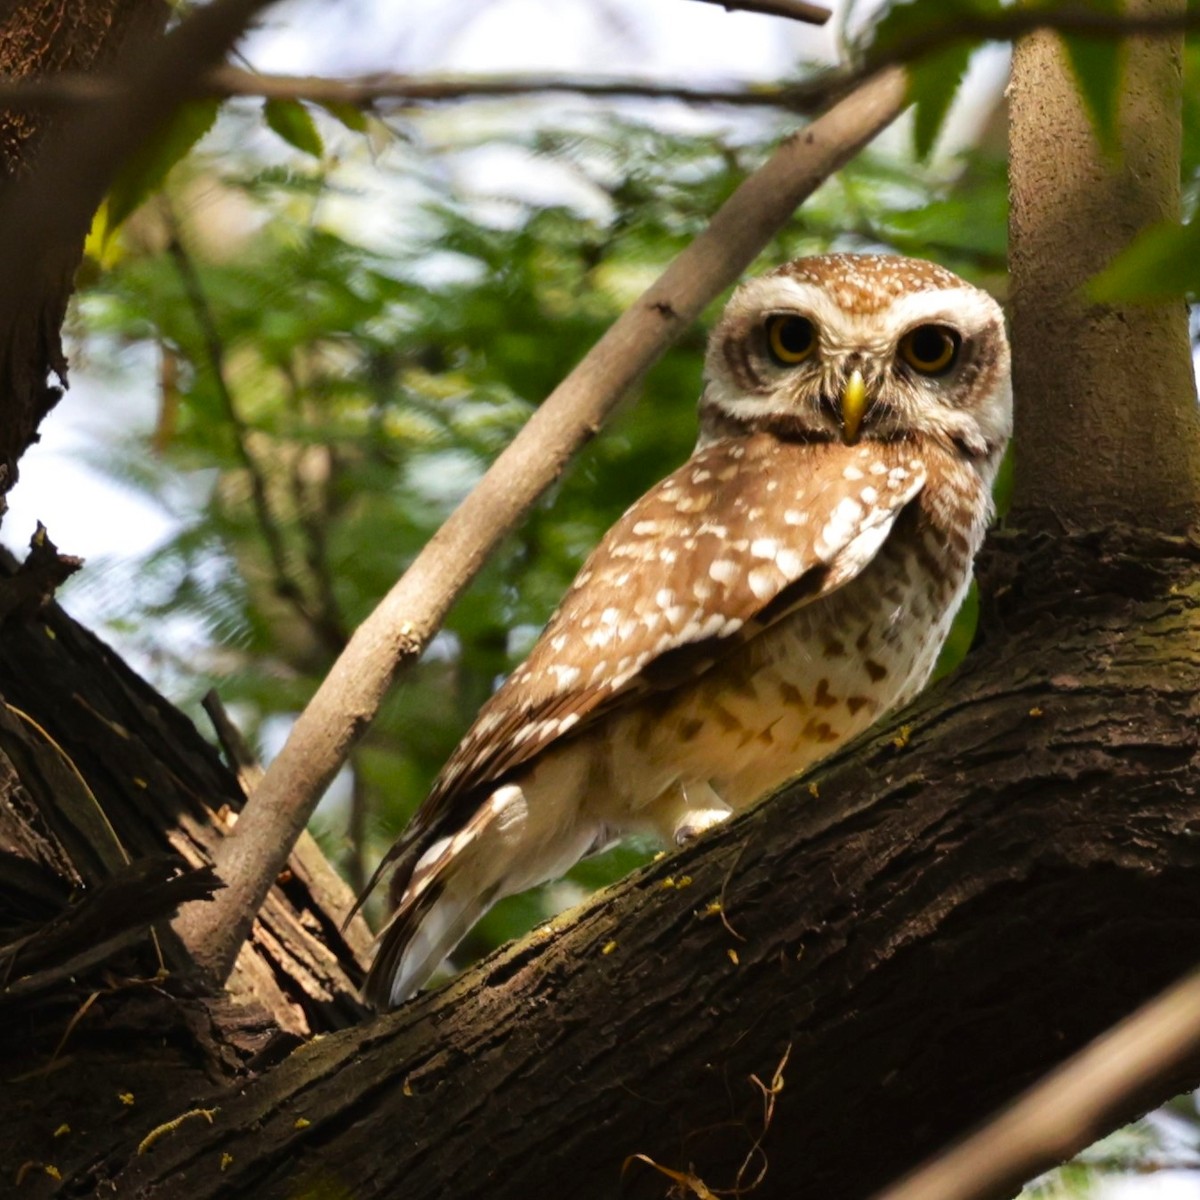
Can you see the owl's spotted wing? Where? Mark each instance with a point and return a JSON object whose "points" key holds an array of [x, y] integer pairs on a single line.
{"points": [[740, 535]]}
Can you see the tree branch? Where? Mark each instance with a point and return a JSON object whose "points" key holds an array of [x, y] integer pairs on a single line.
{"points": [[808, 96], [793, 10], [401, 626], [1071, 1108], [214, 351], [940, 924]]}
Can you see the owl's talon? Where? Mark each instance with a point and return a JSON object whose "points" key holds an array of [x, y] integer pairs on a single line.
{"points": [[699, 821]]}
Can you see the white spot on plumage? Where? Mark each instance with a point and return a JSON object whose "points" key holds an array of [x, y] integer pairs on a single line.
{"points": [[764, 547], [566, 675], [645, 528], [723, 570], [868, 495], [842, 521], [851, 472], [789, 562], [763, 581], [794, 516], [664, 597]]}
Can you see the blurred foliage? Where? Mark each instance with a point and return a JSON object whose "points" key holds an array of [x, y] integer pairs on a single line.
{"points": [[326, 393]]}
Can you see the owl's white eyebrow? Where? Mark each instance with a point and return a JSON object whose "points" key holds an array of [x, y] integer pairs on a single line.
{"points": [[964, 309], [781, 294]]}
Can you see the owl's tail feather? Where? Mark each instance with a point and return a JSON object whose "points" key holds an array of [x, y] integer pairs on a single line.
{"points": [[421, 933]]}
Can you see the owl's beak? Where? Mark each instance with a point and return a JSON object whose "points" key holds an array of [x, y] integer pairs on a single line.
{"points": [[854, 405]]}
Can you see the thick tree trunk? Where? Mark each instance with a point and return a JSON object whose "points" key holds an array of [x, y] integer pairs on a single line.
{"points": [[1107, 423]]}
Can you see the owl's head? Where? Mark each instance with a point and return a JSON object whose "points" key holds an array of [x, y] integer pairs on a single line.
{"points": [[856, 347]]}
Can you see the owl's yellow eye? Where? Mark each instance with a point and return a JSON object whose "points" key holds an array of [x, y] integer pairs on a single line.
{"points": [[930, 349], [790, 339]]}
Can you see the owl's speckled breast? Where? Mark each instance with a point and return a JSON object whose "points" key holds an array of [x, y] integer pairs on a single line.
{"points": [[817, 677]]}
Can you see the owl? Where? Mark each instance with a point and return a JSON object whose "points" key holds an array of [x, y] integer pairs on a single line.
{"points": [[767, 601]]}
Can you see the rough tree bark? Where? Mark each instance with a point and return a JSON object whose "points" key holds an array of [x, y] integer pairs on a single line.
{"points": [[948, 909], [37, 38]]}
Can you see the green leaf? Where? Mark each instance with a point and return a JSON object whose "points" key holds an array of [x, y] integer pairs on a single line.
{"points": [[349, 115], [933, 84], [933, 79], [146, 170], [1161, 263], [293, 122]]}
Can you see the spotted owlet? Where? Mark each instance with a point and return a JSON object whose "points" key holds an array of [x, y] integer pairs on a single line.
{"points": [[793, 580]]}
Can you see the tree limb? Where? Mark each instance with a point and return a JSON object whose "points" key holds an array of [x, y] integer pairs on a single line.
{"points": [[404, 621], [285, 586], [806, 96], [793, 10]]}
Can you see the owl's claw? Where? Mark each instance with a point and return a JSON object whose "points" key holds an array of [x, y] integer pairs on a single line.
{"points": [[697, 821]]}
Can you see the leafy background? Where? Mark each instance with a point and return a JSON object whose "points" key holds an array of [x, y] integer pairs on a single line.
{"points": [[347, 313]]}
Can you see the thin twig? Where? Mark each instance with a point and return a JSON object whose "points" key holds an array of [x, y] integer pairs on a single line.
{"points": [[405, 620], [241, 758], [356, 828], [330, 627], [370, 90], [793, 10], [1071, 1107], [214, 350]]}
